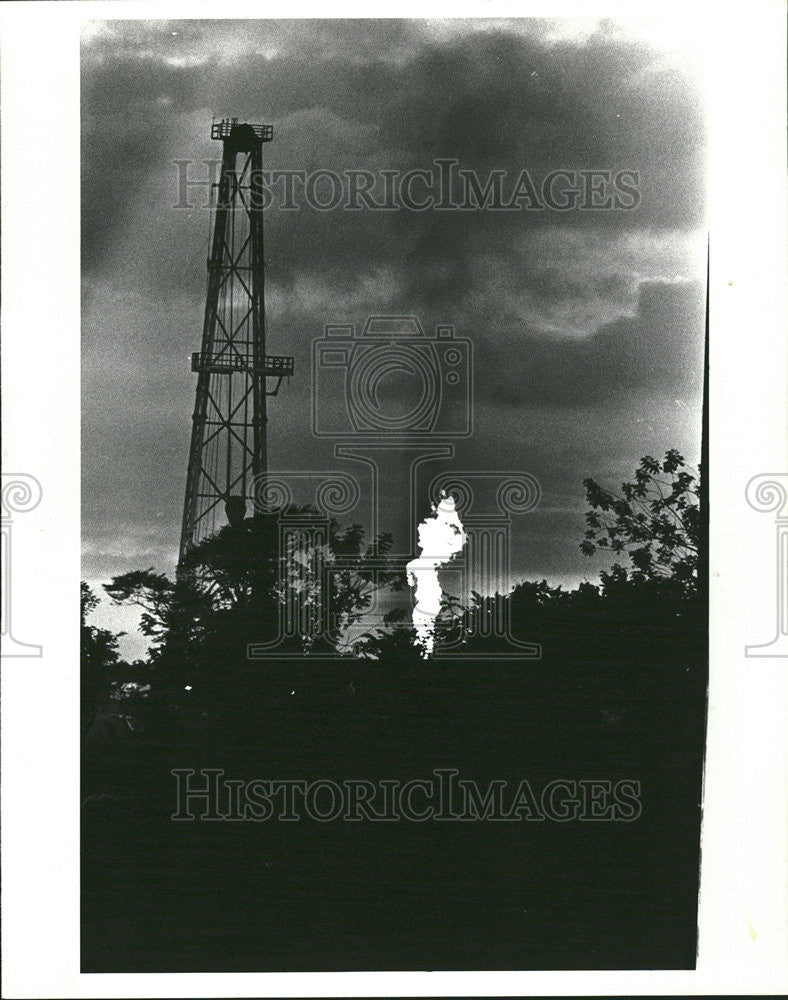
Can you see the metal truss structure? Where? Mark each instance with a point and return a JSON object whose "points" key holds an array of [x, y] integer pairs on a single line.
{"points": [[228, 452]]}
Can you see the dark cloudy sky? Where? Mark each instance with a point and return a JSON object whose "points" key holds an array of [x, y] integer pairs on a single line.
{"points": [[587, 326]]}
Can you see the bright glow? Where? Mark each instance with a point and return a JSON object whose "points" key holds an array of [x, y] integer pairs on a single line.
{"points": [[441, 537]]}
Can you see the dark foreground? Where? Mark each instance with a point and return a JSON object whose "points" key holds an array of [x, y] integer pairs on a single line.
{"points": [[166, 896]]}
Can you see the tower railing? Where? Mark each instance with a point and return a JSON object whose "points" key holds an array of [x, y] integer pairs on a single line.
{"points": [[269, 364], [229, 450]]}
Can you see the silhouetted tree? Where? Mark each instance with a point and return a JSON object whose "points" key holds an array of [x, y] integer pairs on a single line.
{"points": [[172, 612], [233, 587], [654, 520], [327, 581], [98, 655]]}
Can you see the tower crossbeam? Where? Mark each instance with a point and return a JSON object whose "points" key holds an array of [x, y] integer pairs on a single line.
{"points": [[229, 450]]}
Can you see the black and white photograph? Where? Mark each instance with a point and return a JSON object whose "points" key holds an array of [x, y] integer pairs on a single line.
{"points": [[399, 446], [392, 412]]}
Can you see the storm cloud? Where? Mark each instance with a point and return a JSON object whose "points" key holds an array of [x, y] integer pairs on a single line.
{"points": [[587, 326]]}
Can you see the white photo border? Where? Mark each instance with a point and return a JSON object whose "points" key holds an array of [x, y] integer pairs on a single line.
{"points": [[743, 945]]}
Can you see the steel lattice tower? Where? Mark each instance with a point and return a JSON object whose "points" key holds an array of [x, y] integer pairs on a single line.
{"points": [[228, 450]]}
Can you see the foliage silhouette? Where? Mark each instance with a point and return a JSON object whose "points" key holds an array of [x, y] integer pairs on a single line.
{"points": [[98, 655], [619, 693], [234, 587], [655, 520]]}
